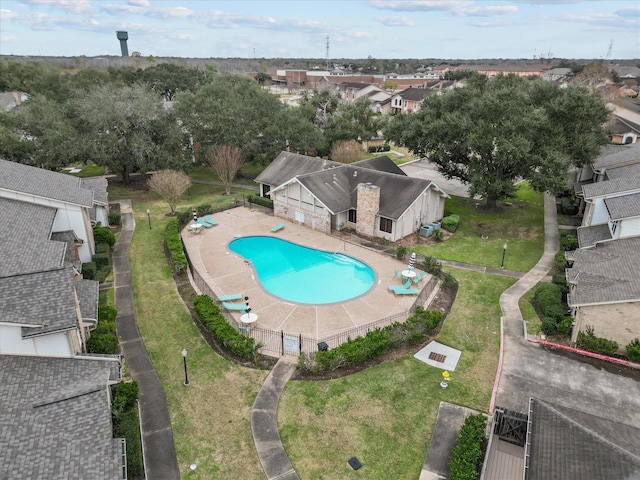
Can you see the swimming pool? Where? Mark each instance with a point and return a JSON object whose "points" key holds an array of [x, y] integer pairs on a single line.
{"points": [[304, 275]]}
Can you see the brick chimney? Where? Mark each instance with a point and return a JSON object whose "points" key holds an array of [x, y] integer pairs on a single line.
{"points": [[367, 205]]}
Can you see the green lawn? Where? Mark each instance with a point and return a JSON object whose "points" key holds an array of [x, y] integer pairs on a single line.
{"points": [[91, 170], [210, 418], [384, 415], [519, 226]]}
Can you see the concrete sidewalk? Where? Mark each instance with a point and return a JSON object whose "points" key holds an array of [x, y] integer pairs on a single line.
{"points": [[264, 423], [160, 462]]}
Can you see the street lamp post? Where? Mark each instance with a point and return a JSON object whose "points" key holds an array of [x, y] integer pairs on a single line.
{"points": [[184, 360], [504, 251], [149, 218]]}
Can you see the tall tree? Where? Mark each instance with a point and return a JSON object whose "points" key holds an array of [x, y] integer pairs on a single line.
{"points": [[130, 130], [170, 185], [493, 132], [226, 160], [167, 79], [352, 121]]}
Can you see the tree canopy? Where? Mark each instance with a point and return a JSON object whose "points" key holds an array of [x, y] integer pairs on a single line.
{"points": [[496, 131]]}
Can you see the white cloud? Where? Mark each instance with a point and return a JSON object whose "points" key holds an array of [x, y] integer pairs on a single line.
{"points": [[629, 12], [396, 21], [419, 5], [139, 3], [485, 11], [76, 6], [7, 14], [7, 39]]}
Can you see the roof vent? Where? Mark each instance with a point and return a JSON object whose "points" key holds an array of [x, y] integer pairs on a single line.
{"points": [[335, 179], [355, 174]]}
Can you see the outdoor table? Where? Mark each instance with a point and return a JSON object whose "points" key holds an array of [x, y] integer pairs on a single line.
{"points": [[408, 273], [248, 318]]}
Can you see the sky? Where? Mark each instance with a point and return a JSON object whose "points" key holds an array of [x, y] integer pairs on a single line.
{"points": [[354, 29]]}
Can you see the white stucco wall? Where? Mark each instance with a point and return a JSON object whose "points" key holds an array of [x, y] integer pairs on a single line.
{"points": [[11, 342], [629, 227]]}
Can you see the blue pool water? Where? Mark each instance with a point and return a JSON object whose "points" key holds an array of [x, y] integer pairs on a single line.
{"points": [[304, 275]]}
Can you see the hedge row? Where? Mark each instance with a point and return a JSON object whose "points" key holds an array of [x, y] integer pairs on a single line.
{"points": [[548, 301], [265, 202], [174, 245], [466, 457], [227, 336], [371, 346]]}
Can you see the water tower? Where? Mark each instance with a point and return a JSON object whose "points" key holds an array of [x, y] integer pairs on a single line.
{"points": [[123, 37]]}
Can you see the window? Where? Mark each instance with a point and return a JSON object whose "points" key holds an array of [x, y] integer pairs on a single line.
{"points": [[386, 225], [614, 228], [352, 215]]}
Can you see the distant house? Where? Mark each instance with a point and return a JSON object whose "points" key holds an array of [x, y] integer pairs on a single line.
{"points": [[623, 132], [78, 203], [408, 100], [374, 197], [55, 416], [352, 91]]}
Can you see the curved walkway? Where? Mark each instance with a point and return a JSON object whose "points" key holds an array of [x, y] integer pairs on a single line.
{"points": [[160, 462]]}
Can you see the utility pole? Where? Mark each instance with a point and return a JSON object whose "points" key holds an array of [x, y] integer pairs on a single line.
{"points": [[327, 60]]}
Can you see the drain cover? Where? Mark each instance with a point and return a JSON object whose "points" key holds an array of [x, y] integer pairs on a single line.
{"points": [[437, 357]]}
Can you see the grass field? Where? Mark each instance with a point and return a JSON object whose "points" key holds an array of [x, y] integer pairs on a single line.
{"points": [[384, 415], [520, 226]]}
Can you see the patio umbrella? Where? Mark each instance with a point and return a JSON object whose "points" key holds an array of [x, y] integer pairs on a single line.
{"points": [[412, 260]]}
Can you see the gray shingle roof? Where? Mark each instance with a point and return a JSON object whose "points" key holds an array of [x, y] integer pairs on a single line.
{"points": [[625, 206], [87, 291], [98, 185], [610, 187], [571, 445], [414, 94], [69, 238], [626, 171], [55, 419], [337, 189], [288, 165], [380, 163], [606, 273], [45, 300], [43, 183], [622, 125], [589, 236], [618, 155], [21, 222]]}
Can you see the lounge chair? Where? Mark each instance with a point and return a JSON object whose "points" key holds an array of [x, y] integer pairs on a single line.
{"points": [[210, 220], [234, 306], [418, 277], [278, 227], [406, 291], [397, 274], [205, 223], [227, 298]]}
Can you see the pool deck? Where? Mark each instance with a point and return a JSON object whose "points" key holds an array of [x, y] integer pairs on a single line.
{"points": [[227, 273]]}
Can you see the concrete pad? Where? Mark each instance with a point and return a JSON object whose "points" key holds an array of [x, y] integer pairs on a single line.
{"points": [[451, 356]]}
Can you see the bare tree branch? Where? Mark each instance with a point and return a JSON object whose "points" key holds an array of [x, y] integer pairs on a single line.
{"points": [[226, 160], [170, 185]]}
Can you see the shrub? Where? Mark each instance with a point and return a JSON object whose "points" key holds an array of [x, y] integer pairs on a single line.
{"points": [[466, 457], [568, 241], [107, 313], [564, 326], [547, 294], [432, 266], [560, 259], [549, 326], [554, 312], [588, 341], [105, 343], [174, 245], [103, 248], [105, 327], [203, 209], [125, 395], [401, 252], [89, 270], [567, 206], [438, 235], [101, 259], [127, 426], [450, 223], [265, 202], [103, 235], [227, 336], [114, 218], [561, 281], [633, 350], [182, 218]]}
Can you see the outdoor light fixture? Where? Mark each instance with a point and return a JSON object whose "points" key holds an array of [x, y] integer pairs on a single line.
{"points": [[504, 251], [184, 360], [149, 217]]}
